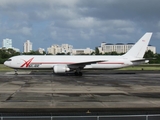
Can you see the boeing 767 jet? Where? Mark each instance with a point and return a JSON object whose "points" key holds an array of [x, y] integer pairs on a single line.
{"points": [[77, 63]]}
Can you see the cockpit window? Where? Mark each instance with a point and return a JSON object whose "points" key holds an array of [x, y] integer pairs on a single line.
{"points": [[9, 60]]}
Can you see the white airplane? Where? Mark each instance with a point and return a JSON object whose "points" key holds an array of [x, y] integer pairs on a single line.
{"points": [[64, 64]]}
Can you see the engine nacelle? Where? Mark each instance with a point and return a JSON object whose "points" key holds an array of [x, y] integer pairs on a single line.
{"points": [[60, 68]]}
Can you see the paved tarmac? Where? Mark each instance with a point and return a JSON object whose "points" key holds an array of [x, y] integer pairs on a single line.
{"points": [[95, 90]]}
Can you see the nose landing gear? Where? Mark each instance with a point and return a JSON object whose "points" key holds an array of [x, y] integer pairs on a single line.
{"points": [[16, 73]]}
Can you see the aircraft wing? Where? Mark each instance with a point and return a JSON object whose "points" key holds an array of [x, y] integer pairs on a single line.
{"points": [[83, 64]]}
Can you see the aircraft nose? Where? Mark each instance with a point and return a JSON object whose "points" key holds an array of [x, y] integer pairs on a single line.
{"points": [[6, 63]]}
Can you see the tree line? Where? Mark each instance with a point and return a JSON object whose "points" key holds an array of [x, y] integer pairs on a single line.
{"points": [[7, 53]]}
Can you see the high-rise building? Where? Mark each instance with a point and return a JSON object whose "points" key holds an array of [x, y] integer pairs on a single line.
{"points": [[7, 43], [27, 46]]}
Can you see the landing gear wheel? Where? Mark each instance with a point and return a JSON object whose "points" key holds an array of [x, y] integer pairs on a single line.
{"points": [[76, 73], [80, 74], [16, 73]]}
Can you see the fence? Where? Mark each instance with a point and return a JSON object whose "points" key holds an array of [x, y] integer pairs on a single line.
{"points": [[101, 117]]}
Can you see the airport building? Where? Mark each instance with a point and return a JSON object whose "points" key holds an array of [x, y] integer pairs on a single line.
{"points": [[120, 47], [27, 46]]}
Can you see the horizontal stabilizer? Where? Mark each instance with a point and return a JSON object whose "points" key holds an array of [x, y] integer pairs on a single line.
{"points": [[143, 59], [140, 60]]}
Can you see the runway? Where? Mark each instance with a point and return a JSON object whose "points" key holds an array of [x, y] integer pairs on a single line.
{"points": [[96, 91]]}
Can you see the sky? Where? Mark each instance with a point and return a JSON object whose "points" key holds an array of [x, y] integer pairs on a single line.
{"points": [[81, 23]]}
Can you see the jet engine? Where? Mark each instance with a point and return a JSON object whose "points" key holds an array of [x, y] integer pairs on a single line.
{"points": [[60, 68]]}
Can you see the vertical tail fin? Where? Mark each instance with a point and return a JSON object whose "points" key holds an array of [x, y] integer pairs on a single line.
{"points": [[138, 50]]}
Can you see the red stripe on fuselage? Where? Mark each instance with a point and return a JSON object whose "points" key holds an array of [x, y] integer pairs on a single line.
{"points": [[74, 63], [52, 63]]}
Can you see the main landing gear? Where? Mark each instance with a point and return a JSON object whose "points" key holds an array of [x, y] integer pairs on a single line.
{"points": [[78, 72]]}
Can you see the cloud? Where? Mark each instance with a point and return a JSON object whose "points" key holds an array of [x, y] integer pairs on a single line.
{"points": [[16, 28], [54, 34], [21, 31], [87, 22], [69, 21], [26, 30], [157, 35]]}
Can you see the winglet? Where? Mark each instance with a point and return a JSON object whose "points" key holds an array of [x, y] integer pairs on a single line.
{"points": [[138, 50]]}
